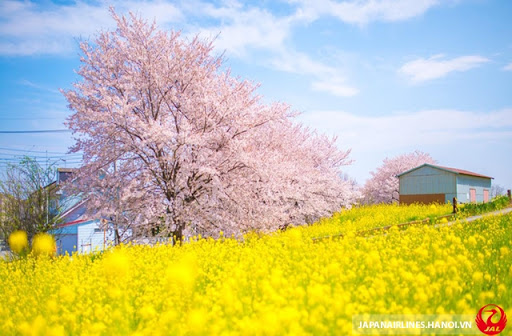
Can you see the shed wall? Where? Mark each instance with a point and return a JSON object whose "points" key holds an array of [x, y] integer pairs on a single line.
{"points": [[466, 182], [425, 199], [431, 181]]}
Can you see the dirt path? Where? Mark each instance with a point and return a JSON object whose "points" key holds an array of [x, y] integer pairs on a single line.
{"points": [[383, 230], [477, 217]]}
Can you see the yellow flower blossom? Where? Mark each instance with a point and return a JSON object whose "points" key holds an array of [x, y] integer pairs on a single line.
{"points": [[43, 244], [116, 264], [18, 241], [478, 277]]}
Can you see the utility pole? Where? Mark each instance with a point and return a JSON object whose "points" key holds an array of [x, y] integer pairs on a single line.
{"points": [[47, 196], [117, 238]]}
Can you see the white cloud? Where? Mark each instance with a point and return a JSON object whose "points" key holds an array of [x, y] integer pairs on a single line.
{"points": [[457, 138], [37, 86], [300, 63], [27, 28], [508, 67], [422, 69], [364, 12], [36, 47], [326, 78], [430, 127], [335, 88], [240, 29]]}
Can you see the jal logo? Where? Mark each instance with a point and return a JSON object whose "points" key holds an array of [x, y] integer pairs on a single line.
{"points": [[491, 319]]}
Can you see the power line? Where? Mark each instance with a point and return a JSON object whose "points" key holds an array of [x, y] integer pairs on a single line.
{"points": [[31, 151], [39, 158], [31, 118], [21, 155], [36, 131], [6, 160], [16, 161], [18, 158], [42, 162], [64, 163]]}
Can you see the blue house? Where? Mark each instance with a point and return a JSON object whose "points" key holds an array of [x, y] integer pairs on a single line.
{"points": [[78, 232], [431, 183], [81, 234]]}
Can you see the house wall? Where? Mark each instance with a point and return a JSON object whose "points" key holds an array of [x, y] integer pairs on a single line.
{"points": [[78, 233], [68, 202], [428, 180], [66, 243], [91, 238], [466, 182], [65, 237], [82, 237]]}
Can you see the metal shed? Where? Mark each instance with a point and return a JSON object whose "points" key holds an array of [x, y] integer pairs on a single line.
{"points": [[431, 183]]}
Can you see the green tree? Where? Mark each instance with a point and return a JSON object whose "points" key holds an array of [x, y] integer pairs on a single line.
{"points": [[28, 198]]}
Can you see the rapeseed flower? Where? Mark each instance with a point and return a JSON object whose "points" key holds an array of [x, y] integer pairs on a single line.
{"points": [[43, 244], [18, 241], [281, 283], [116, 264]]}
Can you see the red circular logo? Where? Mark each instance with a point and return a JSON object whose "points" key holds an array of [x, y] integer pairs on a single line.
{"points": [[491, 319]]}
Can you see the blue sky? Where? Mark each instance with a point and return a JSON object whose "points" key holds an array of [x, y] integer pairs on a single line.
{"points": [[386, 77]]}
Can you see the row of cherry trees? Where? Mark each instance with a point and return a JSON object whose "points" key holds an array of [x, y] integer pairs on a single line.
{"points": [[173, 144]]}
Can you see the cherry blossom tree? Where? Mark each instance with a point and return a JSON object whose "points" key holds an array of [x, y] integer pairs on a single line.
{"points": [[175, 145], [383, 186]]}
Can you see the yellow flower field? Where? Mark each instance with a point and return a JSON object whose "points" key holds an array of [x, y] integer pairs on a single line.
{"points": [[277, 284], [374, 216]]}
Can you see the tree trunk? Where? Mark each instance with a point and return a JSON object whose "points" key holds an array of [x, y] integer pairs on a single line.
{"points": [[117, 238], [179, 226], [177, 235]]}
